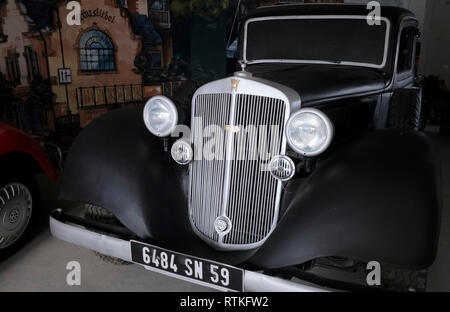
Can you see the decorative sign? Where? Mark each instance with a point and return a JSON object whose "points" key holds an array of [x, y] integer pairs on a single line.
{"points": [[65, 75], [98, 13]]}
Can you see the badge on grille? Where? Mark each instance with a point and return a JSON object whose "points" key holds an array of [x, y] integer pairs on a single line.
{"points": [[222, 225], [234, 85], [234, 129]]}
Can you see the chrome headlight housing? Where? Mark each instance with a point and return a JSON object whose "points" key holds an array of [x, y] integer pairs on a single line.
{"points": [[282, 168], [182, 152], [309, 132], [160, 116]]}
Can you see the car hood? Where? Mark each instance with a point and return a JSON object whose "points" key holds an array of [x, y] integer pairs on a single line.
{"points": [[321, 82]]}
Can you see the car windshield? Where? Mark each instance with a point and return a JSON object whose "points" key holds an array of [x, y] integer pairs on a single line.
{"points": [[347, 40]]}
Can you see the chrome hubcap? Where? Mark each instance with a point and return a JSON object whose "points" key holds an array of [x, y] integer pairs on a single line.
{"points": [[16, 206]]}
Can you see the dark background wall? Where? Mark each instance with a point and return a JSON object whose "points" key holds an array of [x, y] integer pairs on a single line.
{"points": [[436, 40]]}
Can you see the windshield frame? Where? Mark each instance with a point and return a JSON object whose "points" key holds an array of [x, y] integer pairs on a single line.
{"points": [[299, 61]]}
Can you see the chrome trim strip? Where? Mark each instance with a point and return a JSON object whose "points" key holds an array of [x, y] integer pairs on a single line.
{"points": [[259, 19], [277, 90], [229, 146], [101, 243], [119, 248], [258, 282]]}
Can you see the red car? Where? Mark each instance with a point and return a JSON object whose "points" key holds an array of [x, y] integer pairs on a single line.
{"points": [[21, 158]]}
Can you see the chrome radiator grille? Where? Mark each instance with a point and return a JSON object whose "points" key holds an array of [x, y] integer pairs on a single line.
{"points": [[208, 176], [237, 186]]}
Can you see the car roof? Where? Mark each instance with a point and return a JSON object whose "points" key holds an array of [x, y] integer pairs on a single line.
{"points": [[395, 14]]}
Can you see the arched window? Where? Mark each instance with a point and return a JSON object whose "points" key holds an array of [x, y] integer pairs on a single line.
{"points": [[96, 52]]}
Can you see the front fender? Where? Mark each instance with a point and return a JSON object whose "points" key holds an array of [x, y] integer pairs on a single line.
{"points": [[117, 164], [378, 198]]}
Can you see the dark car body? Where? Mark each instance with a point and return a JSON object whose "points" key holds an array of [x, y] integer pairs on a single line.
{"points": [[373, 196], [361, 89]]}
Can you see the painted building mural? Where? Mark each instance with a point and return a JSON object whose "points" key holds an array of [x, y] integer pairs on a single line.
{"points": [[87, 59], [86, 69]]}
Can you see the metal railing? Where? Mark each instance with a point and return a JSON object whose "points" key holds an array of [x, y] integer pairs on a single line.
{"points": [[119, 95], [109, 95]]}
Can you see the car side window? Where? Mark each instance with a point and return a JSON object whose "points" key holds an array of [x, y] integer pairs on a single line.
{"points": [[406, 49]]}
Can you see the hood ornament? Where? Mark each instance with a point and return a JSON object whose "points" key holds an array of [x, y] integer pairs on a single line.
{"points": [[243, 72], [243, 65]]}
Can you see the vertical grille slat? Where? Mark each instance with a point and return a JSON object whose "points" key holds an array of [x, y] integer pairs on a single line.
{"points": [[249, 197]]}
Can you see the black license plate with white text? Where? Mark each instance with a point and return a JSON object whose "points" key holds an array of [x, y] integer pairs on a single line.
{"points": [[193, 269]]}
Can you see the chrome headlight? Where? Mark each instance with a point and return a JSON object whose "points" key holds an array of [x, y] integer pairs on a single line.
{"points": [[160, 116], [309, 132], [282, 168], [182, 152]]}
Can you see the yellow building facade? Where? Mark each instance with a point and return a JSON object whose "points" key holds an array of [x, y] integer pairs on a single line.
{"points": [[98, 53]]}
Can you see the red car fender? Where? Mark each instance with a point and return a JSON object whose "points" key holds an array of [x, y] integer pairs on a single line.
{"points": [[14, 140]]}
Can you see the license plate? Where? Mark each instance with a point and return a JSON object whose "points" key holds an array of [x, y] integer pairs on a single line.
{"points": [[192, 269]]}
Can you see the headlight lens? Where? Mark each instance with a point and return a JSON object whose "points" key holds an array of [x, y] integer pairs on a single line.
{"points": [[160, 116], [309, 132], [182, 152]]}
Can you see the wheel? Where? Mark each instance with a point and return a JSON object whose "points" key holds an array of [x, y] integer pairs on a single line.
{"points": [[19, 200], [404, 280], [102, 215], [405, 109]]}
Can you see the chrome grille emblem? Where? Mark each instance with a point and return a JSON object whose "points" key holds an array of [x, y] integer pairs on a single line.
{"points": [[222, 225], [234, 85], [234, 129]]}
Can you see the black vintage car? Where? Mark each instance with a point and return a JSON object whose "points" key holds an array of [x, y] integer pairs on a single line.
{"points": [[305, 168]]}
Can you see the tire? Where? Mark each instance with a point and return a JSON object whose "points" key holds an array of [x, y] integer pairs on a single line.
{"points": [[404, 280], [19, 203], [102, 215], [405, 110]]}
